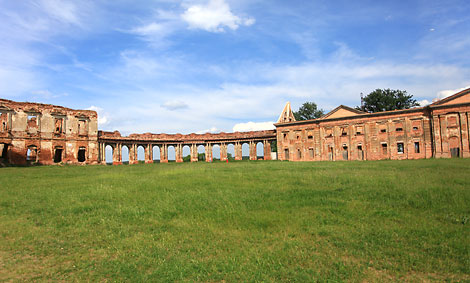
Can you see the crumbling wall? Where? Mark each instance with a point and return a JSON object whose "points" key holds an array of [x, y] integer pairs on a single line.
{"points": [[47, 134]]}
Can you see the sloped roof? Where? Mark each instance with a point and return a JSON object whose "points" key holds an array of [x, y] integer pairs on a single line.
{"points": [[342, 111], [460, 97]]}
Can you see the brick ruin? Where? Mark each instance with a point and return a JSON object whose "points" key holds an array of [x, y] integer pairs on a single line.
{"points": [[439, 130], [34, 133]]}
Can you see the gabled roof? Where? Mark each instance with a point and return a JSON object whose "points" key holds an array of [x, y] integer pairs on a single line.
{"points": [[460, 97], [286, 115], [341, 111]]}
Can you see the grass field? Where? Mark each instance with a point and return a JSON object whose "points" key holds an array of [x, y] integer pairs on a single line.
{"points": [[241, 221]]}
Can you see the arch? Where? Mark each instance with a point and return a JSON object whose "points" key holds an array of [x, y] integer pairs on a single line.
{"points": [[81, 154], [201, 153], [32, 154], [171, 153], [231, 151], [216, 152], [156, 154], [140, 153], [108, 152], [260, 150], [125, 154], [186, 153], [245, 151]]}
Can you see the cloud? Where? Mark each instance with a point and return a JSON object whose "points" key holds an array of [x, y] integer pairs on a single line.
{"points": [[252, 126], [424, 102], [62, 11], [215, 16], [445, 93], [212, 130], [173, 105], [103, 117]]}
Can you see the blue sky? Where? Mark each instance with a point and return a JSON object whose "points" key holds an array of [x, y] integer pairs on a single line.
{"points": [[215, 65]]}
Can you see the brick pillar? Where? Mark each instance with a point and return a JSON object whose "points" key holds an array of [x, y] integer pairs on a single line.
{"points": [[208, 151], [148, 153], [179, 153], [132, 154], [223, 152], [238, 151], [464, 134], [267, 149], [193, 152], [117, 154], [252, 150], [163, 153]]}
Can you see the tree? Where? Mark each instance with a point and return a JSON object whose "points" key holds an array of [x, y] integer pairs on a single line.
{"points": [[387, 99], [308, 110]]}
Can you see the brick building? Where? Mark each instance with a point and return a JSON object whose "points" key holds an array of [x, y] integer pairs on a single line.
{"points": [[42, 133], [438, 130]]}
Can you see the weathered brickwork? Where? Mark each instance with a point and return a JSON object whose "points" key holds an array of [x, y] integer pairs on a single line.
{"points": [[438, 130], [47, 134]]}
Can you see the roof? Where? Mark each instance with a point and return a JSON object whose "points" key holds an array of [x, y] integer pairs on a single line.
{"points": [[344, 109], [461, 97]]}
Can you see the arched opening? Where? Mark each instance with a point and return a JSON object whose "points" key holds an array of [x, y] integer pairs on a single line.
{"points": [[141, 153], [81, 155], [260, 150], [201, 153], [156, 154], [32, 154], [125, 154], [108, 152], [245, 151], [171, 153], [186, 153], [231, 151], [216, 152], [58, 154]]}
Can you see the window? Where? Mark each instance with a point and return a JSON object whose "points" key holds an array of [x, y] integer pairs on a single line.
{"points": [[285, 136], [329, 133], [286, 153], [298, 137], [400, 148], [32, 153], [33, 121], [299, 154], [416, 147], [310, 152], [4, 120], [344, 131], [384, 149], [58, 123], [415, 128], [359, 130], [383, 130], [58, 155], [82, 127], [310, 137], [399, 129]]}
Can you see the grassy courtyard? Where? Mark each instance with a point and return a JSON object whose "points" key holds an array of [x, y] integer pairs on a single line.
{"points": [[241, 221]]}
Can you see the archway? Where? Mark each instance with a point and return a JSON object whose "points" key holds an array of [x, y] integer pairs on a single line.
{"points": [[231, 151], [109, 150], [245, 151], [260, 150], [156, 154], [186, 153], [171, 153], [125, 154], [216, 152], [140, 153], [201, 153]]}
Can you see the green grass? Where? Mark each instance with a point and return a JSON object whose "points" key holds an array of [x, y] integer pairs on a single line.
{"points": [[241, 221]]}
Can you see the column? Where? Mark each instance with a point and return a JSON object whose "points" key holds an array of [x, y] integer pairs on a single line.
{"points": [[179, 153], [267, 149], [223, 152], [208, 149], [163, 153], [252, 146], [193, 152], [238, 151]]}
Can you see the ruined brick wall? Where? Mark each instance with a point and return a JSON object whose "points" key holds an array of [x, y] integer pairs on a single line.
{"points": [[47, 134], [440, 131]]}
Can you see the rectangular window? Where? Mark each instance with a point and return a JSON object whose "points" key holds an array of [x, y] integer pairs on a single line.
{"points": [[58, 122], [3, 122], [286, 154], [384, 149], [415, 128], [310, 137], [383, 130], [310, 152], [285, 136], [359, 130], [344, 131], [82, 127], [399, 129], [400, 148], [299, 154], [416, 147]]}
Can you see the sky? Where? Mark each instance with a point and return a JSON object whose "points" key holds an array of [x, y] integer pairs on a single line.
{"points": [[220, 65]]}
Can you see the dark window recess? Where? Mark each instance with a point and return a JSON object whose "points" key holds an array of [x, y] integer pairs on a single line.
{"points": [[384, 149], [299, 154], [383, 130], [415, 128], [285, 136], [399, 129], [298, 138], [360, 153], [416, 147], [286, 153], [400, 147], [81, 154], [310, 137], [344, 132], [58, 155], [345, 152]]}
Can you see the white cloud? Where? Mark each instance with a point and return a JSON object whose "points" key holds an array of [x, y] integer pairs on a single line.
{"points": [[215, 16], [212, 130], [252, 126], [445, 93], [63, 11], [103, 117], [174, 105], [424, 102]]}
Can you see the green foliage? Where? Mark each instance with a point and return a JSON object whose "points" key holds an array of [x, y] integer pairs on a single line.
{"points": [[201, 156], [187, 158], [253, 221], [387, 100], [308, 110]]}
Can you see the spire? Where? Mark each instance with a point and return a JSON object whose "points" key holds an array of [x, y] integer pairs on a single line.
{"points": [[286, 115]]}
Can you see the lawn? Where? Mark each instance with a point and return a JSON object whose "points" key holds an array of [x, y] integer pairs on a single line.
{"points": [[241, 221]]}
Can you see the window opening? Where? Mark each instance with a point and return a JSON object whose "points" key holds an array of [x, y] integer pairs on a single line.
{"points": [[416, 147], [400, 147], [286, 153], [58, 155], [384, 149], [81, 154], [310, 152]]}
